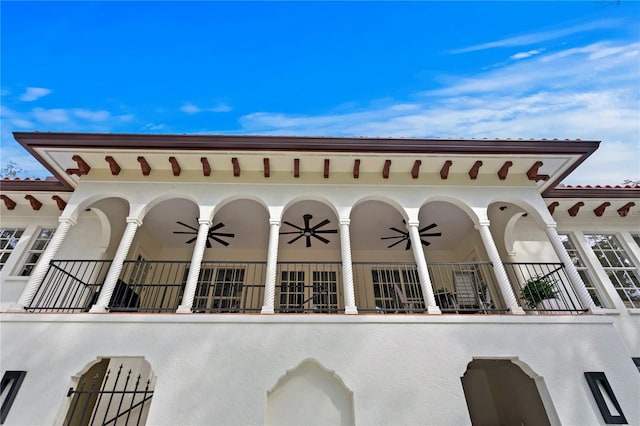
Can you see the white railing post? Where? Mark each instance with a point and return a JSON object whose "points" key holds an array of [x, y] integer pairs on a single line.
{"points": [[423, 271], [272, 265], [574, 276], [38, 273], [116, 266], [194, 269], [498, 268], [347, 268]]}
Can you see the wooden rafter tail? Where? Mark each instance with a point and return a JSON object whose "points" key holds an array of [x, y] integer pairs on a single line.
{"points": [[144, 166], [504, 170], [386, 168], [533, 174], [573, 210], [552, 206], [206, 168], [35, 203], [175, 167], [8, 202], [296, 167], [356, 168], [415, 170], [113, 165], [475, 169], [60, 202], [326, 168], [624, 210], [236, 167], [83, 167], [444, 171], [599, 211], [267, 168]]}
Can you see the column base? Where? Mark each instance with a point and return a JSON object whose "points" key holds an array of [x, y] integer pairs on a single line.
{"points": [[267, 310], [517, 310], [16, 307], [596, 310], [434, 310], [351, 310], [183, 310], [98, 309]]}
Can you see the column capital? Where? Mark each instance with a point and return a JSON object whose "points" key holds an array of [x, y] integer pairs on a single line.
{"points": [[68, 220], [483, 222], [131, 219], [204, 221], [344, 221], [552, 225], [413, 223], [274, 222]]}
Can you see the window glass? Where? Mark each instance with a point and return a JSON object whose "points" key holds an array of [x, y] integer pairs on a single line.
{"points": [[583, 271], [9, 238], [37, 248]]}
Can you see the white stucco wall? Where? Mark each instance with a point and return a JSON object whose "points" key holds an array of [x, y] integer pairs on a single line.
{"points": [[217, 369]]}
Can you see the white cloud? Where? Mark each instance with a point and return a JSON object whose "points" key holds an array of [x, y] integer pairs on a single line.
{"points": [[92, 115], [220, 108], [49, 116], [523, 55], [537, 37], [33, 93], [190, 108], [23, 124]]}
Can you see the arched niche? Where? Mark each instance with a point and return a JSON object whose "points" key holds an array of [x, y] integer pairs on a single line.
{"points": [[310, 394], [506, 391]]}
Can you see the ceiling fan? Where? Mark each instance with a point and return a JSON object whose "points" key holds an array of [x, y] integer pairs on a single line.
{"points": [[404, 236], [213, 235], [309, 231]]}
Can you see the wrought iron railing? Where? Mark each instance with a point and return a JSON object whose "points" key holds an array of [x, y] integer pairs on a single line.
{"points": [[387, 288], [230, 287], [70, 286], [309, 287], [543, 288]]}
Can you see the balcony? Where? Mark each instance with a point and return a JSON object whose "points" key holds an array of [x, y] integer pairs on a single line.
{"points": [[301, 287]]}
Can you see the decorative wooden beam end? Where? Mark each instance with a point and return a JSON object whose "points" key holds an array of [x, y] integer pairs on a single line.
{"points": [[504, 170], [113, 165], [444, 172], [83, 167], [415, 170], [236, 167], [267, 169], [296, 167], [532, 173], [356, 169], [8, 202], [473, 173], [60, 202], [146, 169], [573, 211], [35, 204], [175, 167], [599, 211], [206, 168], [385, 169], [326, 168], [624, 210], [552, 206]]}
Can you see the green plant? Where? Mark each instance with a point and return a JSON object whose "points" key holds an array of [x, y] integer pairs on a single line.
{"points": [[536, 290]]}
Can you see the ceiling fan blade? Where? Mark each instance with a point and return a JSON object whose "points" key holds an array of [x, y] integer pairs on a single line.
{"points": [[191, 240], [324, 240], [435, 234], [185, 232], [222, 234], [396, 236], [321, 224], [208, 243], [396, 243], [223, 242], [184, 224], [296, 238], [426, 228], [327, 231], [425, 243], [308, 241], [216, 226], [291, 224], [307, 218], [291, 232], [408, 246], [398, 230]]}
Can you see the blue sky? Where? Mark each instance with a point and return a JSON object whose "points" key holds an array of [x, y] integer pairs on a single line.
{"points": [[416, 69]]}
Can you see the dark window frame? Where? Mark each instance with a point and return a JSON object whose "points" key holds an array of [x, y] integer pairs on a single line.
{"points": [[595, 379], [12, 378]]}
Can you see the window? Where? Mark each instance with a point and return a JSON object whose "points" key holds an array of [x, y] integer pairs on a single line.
{"points": [[636, 238], [11, 382], [397, 290], [292, 291], [618, 266], [221, 294], [38, 247], [583, 271], [325, 291], [8, 240]]}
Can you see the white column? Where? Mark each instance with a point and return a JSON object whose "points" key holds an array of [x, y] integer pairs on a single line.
{"points": [[194, 269], [574, 276], [38, 273], [347, 268], [423, 271], [116, 266], [498, 269], [272, 265]]}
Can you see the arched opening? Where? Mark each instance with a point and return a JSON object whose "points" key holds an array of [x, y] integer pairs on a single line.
{"points": [[310, 395], [309, 271], [111, 391], [500, 392]]}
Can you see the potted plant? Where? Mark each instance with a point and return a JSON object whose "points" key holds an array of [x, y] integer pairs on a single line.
{"points": [[537, 290]]}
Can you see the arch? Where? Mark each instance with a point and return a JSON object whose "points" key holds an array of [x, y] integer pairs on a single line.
{"points": [[90, 201], [462, 205], [506, 391], [310, 394], [129, 376], [317, 198], [543, 218], [151, 204], [239, 197], [383, 199]]}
